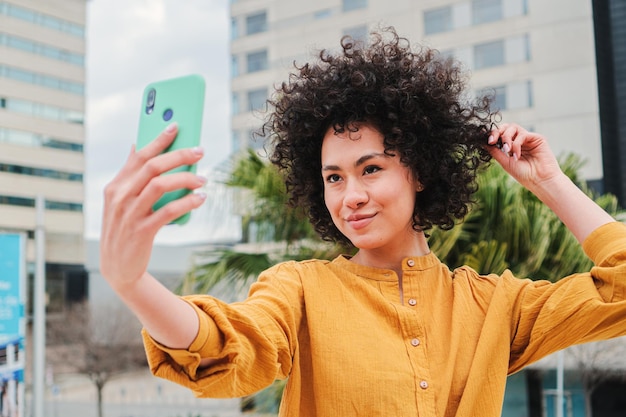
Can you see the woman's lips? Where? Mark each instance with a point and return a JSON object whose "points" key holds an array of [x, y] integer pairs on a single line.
{"points": [[359, 221]]}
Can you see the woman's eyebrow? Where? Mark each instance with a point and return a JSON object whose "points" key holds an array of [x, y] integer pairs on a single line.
{"points": [[358, 162], [369, 156]]}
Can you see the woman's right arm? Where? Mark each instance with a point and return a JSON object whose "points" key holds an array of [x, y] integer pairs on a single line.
{"points": [[129, 226]]}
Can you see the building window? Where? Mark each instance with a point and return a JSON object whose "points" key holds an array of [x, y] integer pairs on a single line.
{"points": [[323, 14], [236, 141], [519, 95], [42, 111], [348, 5], [499, 101], [17, 201], [47, 21], [65, 284], [30, 202], [21, 75], [512, 96], [234, 28], [497, 95], [485, 11], [257, 61], [490, 54], [41, 172], [255, 141], [358, 33], [235, 103], [42, 49], [234, 66], [32, 139], [438, 20], [63, 206], [256, 23], [257, 99]]}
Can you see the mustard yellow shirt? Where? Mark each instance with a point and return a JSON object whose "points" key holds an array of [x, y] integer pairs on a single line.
{"points": [[356, 341]]}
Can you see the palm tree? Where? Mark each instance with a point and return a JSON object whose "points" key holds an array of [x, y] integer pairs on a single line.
{"points": [[508, 227], [272, 231]]}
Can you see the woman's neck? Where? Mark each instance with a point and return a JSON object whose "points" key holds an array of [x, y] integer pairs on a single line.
{"points": [[391, 257]]}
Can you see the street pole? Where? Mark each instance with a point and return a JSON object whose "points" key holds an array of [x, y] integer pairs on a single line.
{"points": [[39, 310], [559, 384]]}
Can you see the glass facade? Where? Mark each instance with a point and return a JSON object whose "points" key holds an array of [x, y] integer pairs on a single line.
{"points": [[42, 49], [42, 80], [42, 111], [451, 17], [19, 137], [41, 172], [41, 19], [50, 204]]}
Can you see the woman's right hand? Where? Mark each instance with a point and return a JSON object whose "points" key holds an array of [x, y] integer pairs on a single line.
{"points": [[129, 225]]}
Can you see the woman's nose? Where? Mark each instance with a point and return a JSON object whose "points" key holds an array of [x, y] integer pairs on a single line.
{"points": [[356, 195]]}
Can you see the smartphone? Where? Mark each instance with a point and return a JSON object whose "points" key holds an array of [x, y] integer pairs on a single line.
{"points": [[179, 100]]}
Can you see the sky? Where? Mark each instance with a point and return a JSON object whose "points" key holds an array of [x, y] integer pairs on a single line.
{"points": [[129, 44]]}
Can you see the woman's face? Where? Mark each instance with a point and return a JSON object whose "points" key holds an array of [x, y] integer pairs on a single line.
{"points": [[370, 195]]}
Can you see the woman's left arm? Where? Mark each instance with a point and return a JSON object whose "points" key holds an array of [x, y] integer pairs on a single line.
{"points": [[527, 157]]}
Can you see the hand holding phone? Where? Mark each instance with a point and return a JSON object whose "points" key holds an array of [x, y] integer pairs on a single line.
{"points": [[179, 100]]}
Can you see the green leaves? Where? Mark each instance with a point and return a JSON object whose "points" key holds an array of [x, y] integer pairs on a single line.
{"points": [[272, 230], [509, 227]]}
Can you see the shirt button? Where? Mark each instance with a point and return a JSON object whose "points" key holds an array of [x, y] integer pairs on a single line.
{"points": [[415, 342], [423, 384], [410, 262], [412, 301]]}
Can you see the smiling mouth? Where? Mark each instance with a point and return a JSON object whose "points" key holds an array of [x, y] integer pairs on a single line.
{"points": [[359, 221]]}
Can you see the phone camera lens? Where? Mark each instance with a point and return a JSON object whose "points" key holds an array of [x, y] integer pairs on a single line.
{"points": [[150, 101], [168, 114]]}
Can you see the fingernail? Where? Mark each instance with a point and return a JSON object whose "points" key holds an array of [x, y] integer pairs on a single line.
{"points": [[201, 179], [515, 156], [491, 140], [197, 150], [506, 148], [171, 127], [201, 196]]}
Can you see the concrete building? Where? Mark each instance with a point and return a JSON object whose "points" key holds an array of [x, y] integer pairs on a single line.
{"points": [[42, 132], [537, 56]]}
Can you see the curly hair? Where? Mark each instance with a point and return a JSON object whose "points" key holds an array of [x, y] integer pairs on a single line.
{"points": [[414, 98]]}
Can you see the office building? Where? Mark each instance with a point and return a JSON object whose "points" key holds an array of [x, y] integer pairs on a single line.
{"points": [[610, 35], [538, 58], [42, 132]]}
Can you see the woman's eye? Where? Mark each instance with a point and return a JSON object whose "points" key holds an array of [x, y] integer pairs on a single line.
{"points": [[371, 169], [333, 178]]}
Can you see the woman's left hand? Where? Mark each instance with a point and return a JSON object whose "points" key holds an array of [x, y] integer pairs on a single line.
{"points": [[525, 155]]}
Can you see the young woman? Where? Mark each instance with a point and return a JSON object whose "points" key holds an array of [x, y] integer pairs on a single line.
{"points": [[379, 145]]}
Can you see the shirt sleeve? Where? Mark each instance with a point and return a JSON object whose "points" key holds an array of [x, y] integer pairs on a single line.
{"points": [[577, 309], [252, 342]]}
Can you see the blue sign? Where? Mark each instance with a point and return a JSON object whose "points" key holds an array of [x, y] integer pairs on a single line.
{"points": [[11, 289]]}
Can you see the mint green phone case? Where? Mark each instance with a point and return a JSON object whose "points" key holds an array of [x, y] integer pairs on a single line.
{"points": [[179, 100]]}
